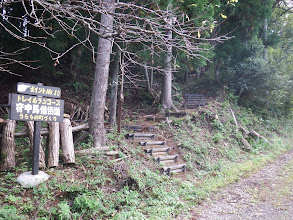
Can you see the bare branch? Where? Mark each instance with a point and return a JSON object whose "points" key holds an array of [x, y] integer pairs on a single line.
{"points": [[134, 22]]}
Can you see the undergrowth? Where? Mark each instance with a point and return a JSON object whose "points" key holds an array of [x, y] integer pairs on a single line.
{"points": [[96, 188]]}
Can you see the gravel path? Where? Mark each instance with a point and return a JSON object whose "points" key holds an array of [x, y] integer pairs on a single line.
{"points": [[267, 194]]}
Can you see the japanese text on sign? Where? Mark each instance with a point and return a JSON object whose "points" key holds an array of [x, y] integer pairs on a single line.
{"points": [[31, 89], [33, 108]]}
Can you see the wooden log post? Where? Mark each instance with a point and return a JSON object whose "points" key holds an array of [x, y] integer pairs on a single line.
{"points": [[1, 129], [7, 151], [67, 142], [30, 128], [54, 144]]}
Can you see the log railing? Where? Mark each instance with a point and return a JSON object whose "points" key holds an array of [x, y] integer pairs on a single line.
{"points": [[58, 134]]}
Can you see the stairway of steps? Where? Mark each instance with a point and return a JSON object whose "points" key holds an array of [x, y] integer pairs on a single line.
{"points": [[160, 152]]}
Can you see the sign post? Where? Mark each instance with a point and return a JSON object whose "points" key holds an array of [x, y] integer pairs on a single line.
{"points": [[32, 104], [36, 143], [36, 147]]}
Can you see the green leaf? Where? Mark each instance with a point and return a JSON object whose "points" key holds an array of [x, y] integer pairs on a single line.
{"points": [[223, 16]]}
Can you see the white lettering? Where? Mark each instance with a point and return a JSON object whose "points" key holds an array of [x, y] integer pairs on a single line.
{"points": [[36, 109], [50, 110], [57, 111], [43, 110], [19, 107], [28, 108]]}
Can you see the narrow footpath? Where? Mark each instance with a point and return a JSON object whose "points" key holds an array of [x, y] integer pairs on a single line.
{"points": [[266, 194]]}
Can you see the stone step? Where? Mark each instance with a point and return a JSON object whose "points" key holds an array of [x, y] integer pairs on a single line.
{"points": [[140, 136], [146, 143], [173, 169], [157, 150], [167, 159]]}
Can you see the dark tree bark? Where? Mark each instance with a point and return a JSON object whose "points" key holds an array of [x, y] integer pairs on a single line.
{"points": [[96, 120], [114, 88], [7, 151]]}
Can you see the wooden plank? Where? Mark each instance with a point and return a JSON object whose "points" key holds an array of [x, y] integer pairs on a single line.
{"points": [[145, 143], [138, 128], [156, 150], [156, 119], [166, 159], [175, 114], [194, 100], [169, 172], [136, 136], [171, 157], [46, 132], [178, 170], [173, 167], [133, 127], [93, 150], [112, 153]]}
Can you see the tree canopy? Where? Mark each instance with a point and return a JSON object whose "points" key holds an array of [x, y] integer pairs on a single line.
{"points": [[238, 45]]}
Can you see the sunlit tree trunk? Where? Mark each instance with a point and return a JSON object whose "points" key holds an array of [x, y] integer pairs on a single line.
{"points": [[166, 95], [114, 88], [96, 120]]}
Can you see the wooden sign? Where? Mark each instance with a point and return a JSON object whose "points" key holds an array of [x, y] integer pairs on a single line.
{"points": [[34, 108], [40, 90]]}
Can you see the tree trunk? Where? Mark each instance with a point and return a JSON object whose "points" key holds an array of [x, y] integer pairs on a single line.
{"points": [[7, 151], [30, 127], [96, 120], [148, 83], [166, 95], [67, 142], [54, 144], [217, 72], [120, 99], [265, 39], [146, 73], [198, 75], [152, 70], [114, 88]]}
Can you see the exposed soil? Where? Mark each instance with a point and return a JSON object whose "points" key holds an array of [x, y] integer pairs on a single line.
{"points": [[266, 194]]}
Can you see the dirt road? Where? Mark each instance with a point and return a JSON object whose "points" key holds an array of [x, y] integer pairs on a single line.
{"points": [[267, 194]]}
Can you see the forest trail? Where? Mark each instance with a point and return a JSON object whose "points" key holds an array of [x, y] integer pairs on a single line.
{"points": [[266, 194]]}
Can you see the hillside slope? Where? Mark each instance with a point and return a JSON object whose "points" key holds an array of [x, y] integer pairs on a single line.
{"points": [[130, 186]]}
